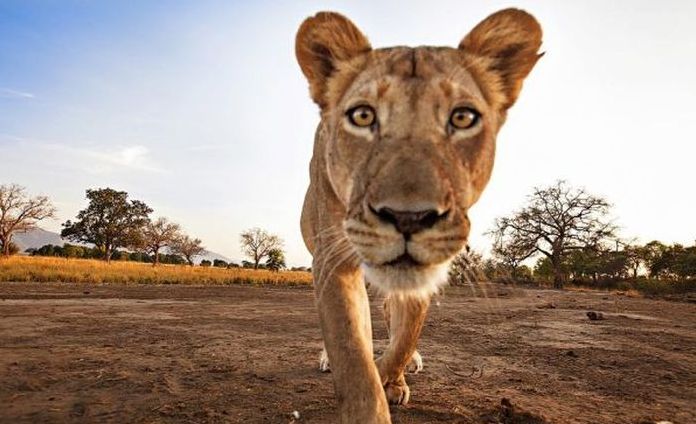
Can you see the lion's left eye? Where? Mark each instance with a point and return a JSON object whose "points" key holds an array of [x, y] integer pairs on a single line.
{"points": [[464, 117], [362, 116]]}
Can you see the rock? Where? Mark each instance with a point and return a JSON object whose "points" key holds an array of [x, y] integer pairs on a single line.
{"points": [[595, 316]]}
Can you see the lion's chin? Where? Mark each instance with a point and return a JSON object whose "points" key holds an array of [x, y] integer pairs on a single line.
{"points": [[421, 280]]}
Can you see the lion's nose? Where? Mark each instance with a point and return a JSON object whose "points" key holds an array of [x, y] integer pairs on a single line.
{"points": [[410, 222]]}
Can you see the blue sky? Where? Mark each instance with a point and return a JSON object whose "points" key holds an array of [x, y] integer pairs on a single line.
{"points": [[199, 109]]}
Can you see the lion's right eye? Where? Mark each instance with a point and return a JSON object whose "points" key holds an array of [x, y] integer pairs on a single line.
{"points": [[362, 116]]}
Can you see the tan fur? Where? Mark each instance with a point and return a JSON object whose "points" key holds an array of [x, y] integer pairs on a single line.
{"points": [[411, 160]]}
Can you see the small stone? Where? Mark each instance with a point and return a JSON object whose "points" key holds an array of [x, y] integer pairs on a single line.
{"points": [[595, 316]]}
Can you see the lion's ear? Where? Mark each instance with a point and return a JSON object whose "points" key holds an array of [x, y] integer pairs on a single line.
{"points": [[321, 43], [510, 40]]}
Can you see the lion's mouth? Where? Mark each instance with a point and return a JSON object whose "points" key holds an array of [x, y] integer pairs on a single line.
{"points": [[405, 260]]}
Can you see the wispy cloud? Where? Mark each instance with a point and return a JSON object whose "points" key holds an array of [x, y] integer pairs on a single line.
{"points": [[11, 138], [8, 93], [134, 158], [94, 159]]}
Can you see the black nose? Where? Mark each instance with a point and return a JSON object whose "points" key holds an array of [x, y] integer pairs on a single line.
{"points": [[407, 222]]}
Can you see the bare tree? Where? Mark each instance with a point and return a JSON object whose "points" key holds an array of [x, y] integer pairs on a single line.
{"points": [[257, 244], [557, 220], [188, 247], [159, 234], [20, 213]]}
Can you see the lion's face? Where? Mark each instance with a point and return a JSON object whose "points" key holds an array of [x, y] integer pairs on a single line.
{"points": [[409, 139], [410, 149]]}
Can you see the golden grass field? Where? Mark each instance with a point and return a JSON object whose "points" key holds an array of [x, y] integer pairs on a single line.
{"points": [[45, 269]]}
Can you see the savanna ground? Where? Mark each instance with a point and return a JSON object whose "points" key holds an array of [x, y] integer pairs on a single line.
{"points": [[73, 352]]}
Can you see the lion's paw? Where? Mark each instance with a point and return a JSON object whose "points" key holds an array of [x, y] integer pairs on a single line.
{"points": [[416, 364], [397, 392], [324, 365]]}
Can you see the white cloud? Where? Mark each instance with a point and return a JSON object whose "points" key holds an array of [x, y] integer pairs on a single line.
{"points": [[8, 93], [93, 160], [132, 158]]}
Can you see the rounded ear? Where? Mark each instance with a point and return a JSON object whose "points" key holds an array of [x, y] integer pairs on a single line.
{"points": [[323, 41], [510, 39]]}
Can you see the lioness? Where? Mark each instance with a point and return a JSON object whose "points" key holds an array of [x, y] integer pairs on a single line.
{"points": [[404, 148]]}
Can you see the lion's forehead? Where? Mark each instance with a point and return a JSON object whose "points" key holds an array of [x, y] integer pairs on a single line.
{"points": [[416, 76]]}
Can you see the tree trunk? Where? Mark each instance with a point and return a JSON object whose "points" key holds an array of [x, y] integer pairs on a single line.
{"points": [[6, 242], [107, 252], [156, 261], [557, 273], [557, 279]]}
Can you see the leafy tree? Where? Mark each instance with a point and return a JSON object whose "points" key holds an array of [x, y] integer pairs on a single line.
{"points": [[613, 264], [275, 260], [543, 268], [72, 251], [557, 220], [205, 263], [45, 250], [172, 259], [257, 244], [674, 262], [138, 256], [110, 221], [20, 213], [159, 234], [219, 263], [120, 255], [635, 258], [685, 263], [188, 247]]}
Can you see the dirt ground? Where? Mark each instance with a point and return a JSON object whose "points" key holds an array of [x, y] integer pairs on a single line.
{"points": [[74, 353]]}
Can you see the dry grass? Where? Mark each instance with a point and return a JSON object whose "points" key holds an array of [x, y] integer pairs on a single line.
{"points": [[42, 269]]}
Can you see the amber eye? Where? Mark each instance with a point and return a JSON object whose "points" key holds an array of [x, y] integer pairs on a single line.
{"points": [[463, 118], [362, 116]]}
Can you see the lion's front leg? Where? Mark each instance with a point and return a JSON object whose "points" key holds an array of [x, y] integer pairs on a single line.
{"points": [[325, 365], [405, 316], [341, 300]]}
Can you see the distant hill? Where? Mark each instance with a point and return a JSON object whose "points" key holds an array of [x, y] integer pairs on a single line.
{"points": [[37, 238], [34, 239]]}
